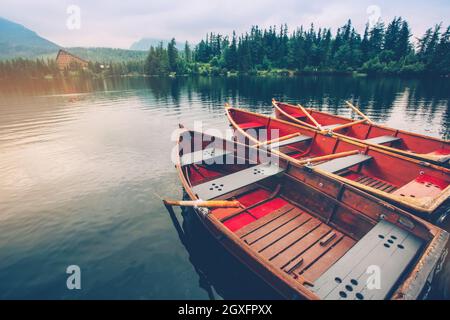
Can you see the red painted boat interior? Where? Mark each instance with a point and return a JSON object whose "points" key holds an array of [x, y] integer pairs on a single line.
{"points": [[384, 171], [363, 131]]}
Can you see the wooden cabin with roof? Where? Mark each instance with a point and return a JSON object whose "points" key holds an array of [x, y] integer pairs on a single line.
{"points": [[65, 60]]}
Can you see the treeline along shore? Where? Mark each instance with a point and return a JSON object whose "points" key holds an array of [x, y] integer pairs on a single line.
{"points": [[380, 49]]}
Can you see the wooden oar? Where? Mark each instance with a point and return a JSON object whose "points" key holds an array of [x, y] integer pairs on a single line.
{"points": [[201, 203], [358, 112], [328, 157], [274, 102], [310, 117], [346, 125], [279, 139]]}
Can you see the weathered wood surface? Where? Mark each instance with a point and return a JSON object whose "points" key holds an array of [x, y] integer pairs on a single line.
{"points": [[386, 248]]}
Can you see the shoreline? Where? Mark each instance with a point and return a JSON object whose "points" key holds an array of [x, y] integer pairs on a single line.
{"points": [[260, 74]]}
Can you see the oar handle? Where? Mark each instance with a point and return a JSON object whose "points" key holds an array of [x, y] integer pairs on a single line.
{"points": [[358, 111], [346, 125], [328, 157], [310, 117], [201, 203]]}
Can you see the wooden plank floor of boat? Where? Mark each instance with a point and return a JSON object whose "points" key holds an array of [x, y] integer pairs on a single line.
{"points": [[296, 242]]}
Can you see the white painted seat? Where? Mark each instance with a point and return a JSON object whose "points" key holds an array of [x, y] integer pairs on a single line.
{"points": [[385, 248], [382, 139], [223, 185]]}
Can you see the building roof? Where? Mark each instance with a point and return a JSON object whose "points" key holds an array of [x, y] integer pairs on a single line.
{"points": [[61, 51]]}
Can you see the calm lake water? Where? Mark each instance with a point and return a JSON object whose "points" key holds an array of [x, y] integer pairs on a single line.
{"points": [[83, 166]]}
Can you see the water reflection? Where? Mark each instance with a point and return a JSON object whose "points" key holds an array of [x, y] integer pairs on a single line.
{"points": [[383, 99], [377, 97]]}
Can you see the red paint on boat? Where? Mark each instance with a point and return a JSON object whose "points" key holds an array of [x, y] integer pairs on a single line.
{"points": [[253, 197], [352, 176], [442, 184], [249, 125], [239, 221], [200, 173], [267, 207], [441, 152]]}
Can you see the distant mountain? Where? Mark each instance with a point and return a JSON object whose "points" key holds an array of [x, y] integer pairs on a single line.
{"points": [[19, 41], [146, 43]]}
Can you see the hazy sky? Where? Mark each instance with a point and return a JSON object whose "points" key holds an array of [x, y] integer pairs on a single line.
{"points": [[114, 23]]}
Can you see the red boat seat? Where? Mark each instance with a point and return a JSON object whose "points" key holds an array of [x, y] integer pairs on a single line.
{"points": [[234, 223], [250, 125]]}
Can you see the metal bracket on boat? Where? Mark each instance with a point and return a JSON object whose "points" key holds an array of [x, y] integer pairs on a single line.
{"points": [[329, 132], [308, 167], [406, 222], [424, 164], [203, 210]]}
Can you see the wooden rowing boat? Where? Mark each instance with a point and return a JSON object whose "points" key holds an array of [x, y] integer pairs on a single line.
{"points": [[410, 144], [414, 185], [302, 241]]}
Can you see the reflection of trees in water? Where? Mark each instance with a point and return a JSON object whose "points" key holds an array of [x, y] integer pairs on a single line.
{"points": [[431, 96], [253, 92], [373, 95], [445, 129]]}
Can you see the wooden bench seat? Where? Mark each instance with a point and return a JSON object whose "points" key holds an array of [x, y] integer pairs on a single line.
{"points": [[339, 164], [370, 181], [296, 242], [386, 248], [226, 184], [382, 139], [297, 139], [209, 156]]}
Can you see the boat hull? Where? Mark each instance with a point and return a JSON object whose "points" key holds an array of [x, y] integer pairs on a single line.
{"points": [[415, 278]]}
